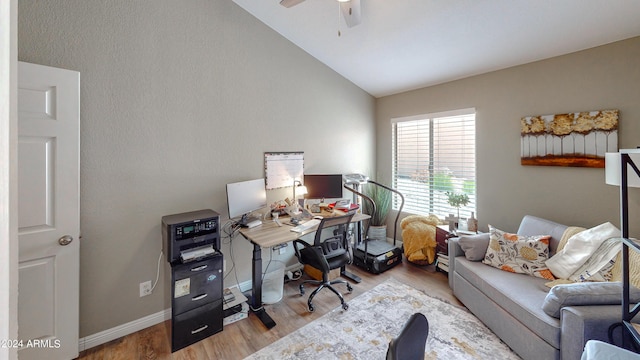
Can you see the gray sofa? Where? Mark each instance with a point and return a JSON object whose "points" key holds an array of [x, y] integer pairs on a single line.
{"points": [[511, 304]]}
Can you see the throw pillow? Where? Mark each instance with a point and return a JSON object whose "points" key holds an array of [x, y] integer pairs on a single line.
{"points": [[474, 246], [518, 253], [589, 293], [568, 233], [634, 268], [579, 249]]}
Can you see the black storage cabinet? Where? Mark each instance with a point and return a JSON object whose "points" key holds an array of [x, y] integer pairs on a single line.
{"points": [[196, 300]]}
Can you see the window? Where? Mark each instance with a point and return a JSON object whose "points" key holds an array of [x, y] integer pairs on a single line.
{"points": [[434, 155]]}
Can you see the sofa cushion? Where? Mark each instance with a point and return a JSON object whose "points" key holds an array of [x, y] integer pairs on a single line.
{"points": [[589, 293], [474, 246], [518, 253], [532, 225], [518, 294]]}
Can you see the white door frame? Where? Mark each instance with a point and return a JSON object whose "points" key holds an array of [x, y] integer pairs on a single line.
{"points": [[8, 177]]}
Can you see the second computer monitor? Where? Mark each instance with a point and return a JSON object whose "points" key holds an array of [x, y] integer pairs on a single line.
{"points": [[244, 197], [326, 186]]}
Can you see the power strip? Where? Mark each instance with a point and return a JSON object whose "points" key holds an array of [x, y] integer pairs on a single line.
{"points": [[293, 275]]}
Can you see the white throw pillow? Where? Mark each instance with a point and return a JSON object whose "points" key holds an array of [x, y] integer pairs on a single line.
{"points": [[579, 249]]}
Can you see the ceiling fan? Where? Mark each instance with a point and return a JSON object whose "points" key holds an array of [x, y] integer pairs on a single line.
{"points": [[350, 9]]}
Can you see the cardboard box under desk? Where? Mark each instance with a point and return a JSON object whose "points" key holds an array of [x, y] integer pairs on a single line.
{"points": [[317, 274]]}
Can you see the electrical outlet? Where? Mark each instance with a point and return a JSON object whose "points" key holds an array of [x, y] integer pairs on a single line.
{"points": [[145, 288]]}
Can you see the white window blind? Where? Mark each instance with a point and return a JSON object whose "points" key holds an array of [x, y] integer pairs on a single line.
{"points": [[432, 155]]}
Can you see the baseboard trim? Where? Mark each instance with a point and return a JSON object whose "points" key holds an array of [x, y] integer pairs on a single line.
{"points": [[122, 330]]}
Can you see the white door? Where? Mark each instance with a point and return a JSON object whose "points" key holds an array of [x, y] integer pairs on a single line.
{"points": [[48, 211]]}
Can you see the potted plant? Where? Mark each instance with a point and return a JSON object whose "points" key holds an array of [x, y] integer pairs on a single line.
{"points": [[457, 200], [378, 221]]}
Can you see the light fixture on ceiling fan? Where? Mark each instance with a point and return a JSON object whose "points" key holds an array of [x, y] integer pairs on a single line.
{"points": [[350, 10]]}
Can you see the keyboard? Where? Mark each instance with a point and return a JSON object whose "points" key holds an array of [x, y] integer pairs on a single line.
{"points": [[306, 225]]}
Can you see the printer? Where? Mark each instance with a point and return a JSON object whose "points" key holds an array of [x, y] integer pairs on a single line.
{"points": [[191, 235]]}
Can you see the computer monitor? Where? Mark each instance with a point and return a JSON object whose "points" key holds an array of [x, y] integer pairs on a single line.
{"points": [[244, 197], [327, 186]]}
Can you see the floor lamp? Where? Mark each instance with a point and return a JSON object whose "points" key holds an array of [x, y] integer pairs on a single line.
{"points": [[617, 173]]}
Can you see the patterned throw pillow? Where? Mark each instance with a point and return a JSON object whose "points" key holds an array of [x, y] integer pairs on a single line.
{"points": [[518, 254]]}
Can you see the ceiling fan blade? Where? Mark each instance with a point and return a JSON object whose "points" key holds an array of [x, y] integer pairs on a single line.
{"points": [[351, 12], [290, 3]]}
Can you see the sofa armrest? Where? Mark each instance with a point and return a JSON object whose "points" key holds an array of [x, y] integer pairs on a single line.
{"points": [[454, 250], [582, 323]]}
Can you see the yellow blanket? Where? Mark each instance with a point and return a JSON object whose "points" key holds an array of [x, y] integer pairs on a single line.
{"points": [[419, 238]]}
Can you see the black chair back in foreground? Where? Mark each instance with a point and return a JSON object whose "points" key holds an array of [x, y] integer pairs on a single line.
{"points": [[410, 344]]}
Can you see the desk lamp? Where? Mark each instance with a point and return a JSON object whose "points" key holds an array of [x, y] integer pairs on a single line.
{"points": [[302, 190]]}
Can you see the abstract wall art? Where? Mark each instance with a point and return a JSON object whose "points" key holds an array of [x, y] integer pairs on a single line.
{"points": [[576, 139]]}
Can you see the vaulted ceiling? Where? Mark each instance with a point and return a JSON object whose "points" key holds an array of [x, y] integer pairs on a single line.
{"points": [[402, 45]]}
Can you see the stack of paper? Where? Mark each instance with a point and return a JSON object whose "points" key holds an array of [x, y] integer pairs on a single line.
{"points": [[443, 262]]}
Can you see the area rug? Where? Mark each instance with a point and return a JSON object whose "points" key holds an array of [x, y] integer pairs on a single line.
{"points": [[375, 317]]}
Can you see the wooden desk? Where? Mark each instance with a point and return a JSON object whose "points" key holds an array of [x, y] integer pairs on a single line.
{"points": [[267, 235]]}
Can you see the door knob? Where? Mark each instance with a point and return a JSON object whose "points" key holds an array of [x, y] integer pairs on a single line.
{"points": [[65, 240]]}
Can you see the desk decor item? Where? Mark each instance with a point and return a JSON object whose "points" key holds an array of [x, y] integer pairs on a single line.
{"points": [[472, 223], [373, 318], [576, 139]]}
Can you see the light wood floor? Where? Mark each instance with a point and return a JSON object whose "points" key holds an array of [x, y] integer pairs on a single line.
{"points": [[247, 336]]}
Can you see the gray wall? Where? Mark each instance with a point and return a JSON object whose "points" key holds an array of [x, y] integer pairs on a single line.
{"points": [[607, 77], [179, 98]]}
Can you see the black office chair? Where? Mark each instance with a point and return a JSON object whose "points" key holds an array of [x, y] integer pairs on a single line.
{"points": [[410, 344], [326, 255]]}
